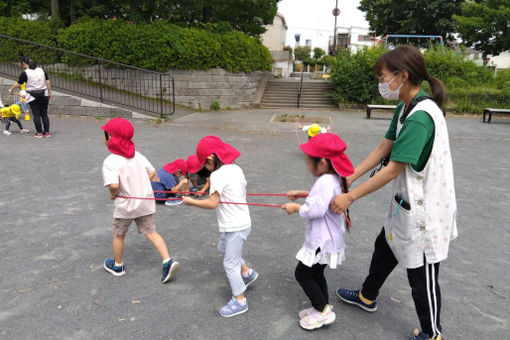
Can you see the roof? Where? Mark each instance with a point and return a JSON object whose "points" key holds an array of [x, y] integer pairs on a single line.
{"points": [[283, 20]]}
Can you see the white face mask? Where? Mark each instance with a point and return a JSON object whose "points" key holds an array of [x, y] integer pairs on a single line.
{"points": [[387, 93]]}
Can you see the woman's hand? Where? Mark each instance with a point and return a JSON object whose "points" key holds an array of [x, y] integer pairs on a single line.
{"points": [[291, 208], [349, 180], [341, 203]]}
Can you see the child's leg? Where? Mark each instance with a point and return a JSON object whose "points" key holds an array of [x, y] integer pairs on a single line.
{"points": [[427, 297], [321, 280], [17, 121], [305, 278], [159, 244], [233, 244], [8, 123], [118, 247]]}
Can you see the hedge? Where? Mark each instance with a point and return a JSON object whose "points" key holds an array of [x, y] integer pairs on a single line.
{"points": [[470, 87], [156, 46]]}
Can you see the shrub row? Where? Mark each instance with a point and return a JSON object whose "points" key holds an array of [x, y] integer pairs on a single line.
{"points": [[155, 46], [470, 87]]}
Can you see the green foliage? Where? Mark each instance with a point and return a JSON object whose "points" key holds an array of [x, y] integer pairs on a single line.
{"points": [[470, 87], [353, 77], [215, 106], [484, 24], [156, 46], [318, 53], [411, 16], [302, 52], [248, 16]]}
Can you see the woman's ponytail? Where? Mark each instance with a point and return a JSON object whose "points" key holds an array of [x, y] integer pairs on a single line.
{"points": [[438, 91], [27, 60]]}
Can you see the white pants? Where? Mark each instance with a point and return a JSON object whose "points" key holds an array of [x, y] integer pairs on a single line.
{"points": [[231, 245]]}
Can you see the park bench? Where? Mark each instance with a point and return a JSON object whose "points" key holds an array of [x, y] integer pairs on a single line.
{"points": [[490, 111], [371, 107]]}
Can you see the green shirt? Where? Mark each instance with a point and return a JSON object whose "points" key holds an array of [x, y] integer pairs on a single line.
{"points": [[416, 138]]}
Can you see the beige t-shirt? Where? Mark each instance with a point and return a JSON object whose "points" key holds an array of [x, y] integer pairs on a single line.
{"points": [[132, 175]]}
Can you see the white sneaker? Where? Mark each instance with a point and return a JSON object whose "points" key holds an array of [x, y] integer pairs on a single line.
{"points": [[173, 202], [305, 312], [24, 131], [7, 133], [317, 319]]}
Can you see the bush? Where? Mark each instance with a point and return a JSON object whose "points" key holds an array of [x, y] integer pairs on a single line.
{"points": [[156, 46], [302, 52], [353, 76]]}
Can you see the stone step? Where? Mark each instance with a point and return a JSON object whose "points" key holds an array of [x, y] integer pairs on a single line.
{"points": [[90, 111]]}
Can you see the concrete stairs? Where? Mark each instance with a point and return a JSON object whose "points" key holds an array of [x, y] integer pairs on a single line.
{"points": [[284, 93]]}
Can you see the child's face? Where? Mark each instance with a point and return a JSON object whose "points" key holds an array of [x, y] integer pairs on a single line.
{"points": [[105, 140], [316, 170], [209, 163], [178, 173]]}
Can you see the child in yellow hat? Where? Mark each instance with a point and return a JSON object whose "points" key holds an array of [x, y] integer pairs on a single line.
{"points": [[314, 129], [9, 115]]}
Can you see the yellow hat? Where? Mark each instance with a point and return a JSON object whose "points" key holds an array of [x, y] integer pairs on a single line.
{"points": [[314, 130], [5, 111], [15, 109]]}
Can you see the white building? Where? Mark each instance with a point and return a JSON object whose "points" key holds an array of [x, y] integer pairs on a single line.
{"points": [[352, 37], [275, 39], [501, 61]]}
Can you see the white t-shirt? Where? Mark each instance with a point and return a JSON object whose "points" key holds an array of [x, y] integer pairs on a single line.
{"points": [[229, 182], [132, 176]]}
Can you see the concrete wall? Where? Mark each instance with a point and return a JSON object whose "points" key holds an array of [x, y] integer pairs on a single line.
{"points": [[275, 36], [198, 89]]}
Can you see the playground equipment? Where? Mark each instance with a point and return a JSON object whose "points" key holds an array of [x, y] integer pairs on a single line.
{"points": [[415, 36]]}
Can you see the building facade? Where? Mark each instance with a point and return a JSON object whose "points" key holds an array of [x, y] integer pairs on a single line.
{"points": [[274, 39]]}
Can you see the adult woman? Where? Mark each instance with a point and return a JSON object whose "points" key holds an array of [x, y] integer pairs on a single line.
{"points": [[422, 217], [38, 94]]}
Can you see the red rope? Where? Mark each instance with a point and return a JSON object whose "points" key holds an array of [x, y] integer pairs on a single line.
{"points": [[204, 192], [180, 199]]}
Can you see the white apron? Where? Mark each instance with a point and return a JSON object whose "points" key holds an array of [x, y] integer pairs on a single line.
{"points": [[36, 80], [430, 225]]}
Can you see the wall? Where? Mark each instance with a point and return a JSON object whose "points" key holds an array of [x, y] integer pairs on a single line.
{"points": [[276, 34]]}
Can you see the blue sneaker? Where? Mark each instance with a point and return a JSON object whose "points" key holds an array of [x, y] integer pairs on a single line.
{"points": [[233, 308], [252, 276], [418, 335], [352, 297], [170, 270], [173, 202], [109, 265]]}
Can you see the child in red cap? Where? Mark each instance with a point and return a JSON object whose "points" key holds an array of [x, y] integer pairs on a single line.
{"points": [[127, 172], [198, 177], [324, 237], [228, 185], [169, 179]]}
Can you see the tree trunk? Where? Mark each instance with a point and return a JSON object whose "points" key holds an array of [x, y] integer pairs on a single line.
{"points": [[72, 10], [54, 9]]}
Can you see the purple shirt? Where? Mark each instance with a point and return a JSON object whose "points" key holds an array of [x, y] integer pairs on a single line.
{"points": [[325, 229]]}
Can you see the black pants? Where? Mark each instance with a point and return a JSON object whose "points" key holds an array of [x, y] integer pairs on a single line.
{"points": [[423, 281], [39, 108], [313, 282], [9, 120]]}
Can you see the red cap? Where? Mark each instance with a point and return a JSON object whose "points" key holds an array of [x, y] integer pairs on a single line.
{"points": [[193, 164], [178, 165], [212, 144], [121, 131], [332, 147]]}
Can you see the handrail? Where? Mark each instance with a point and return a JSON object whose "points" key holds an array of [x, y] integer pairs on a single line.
{"points": [[300, 86], [118, 83]]}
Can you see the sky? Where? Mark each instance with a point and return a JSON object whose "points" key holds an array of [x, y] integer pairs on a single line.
{"points": [[314, 20]]}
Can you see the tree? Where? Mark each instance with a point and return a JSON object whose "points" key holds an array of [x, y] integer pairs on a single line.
{"points": [[484, 25], [318, 53], [432, 17], [302, 52]]}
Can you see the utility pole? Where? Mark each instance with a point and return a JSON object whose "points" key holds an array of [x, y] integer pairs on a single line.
{"points": [[336, 13]]}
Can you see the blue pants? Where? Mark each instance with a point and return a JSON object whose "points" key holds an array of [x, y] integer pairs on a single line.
{"points": [[231, 245]]}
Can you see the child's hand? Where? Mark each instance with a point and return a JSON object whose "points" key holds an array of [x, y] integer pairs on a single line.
{"points": [[291, 208], [295, 194], [113, 196], [187, 201]]}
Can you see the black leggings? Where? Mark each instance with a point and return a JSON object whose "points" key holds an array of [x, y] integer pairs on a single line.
{"points": [[9, 120], [423, 281], [40, 111], [313, 282]]}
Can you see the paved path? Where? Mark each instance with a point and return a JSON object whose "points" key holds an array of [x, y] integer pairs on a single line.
{"points": [[55, 219]]}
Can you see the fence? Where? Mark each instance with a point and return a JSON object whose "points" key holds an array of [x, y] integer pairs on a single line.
{"points": [[96, 78]]}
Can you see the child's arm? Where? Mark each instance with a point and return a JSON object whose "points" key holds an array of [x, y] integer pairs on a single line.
{"points": [[209, 203], [114, 191], [291, 208], [182, 182], [153, 176], [206, 185], [295, 194]]}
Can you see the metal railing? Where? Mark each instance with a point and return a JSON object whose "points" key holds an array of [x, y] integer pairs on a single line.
{"points": [[92, 77], [300, 89]]}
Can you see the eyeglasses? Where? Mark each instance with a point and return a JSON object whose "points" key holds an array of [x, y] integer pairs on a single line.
{"points": [[382, 78]]}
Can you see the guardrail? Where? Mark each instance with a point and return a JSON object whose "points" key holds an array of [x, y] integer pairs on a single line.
{"points": [[96, 78], [300, 89]]}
